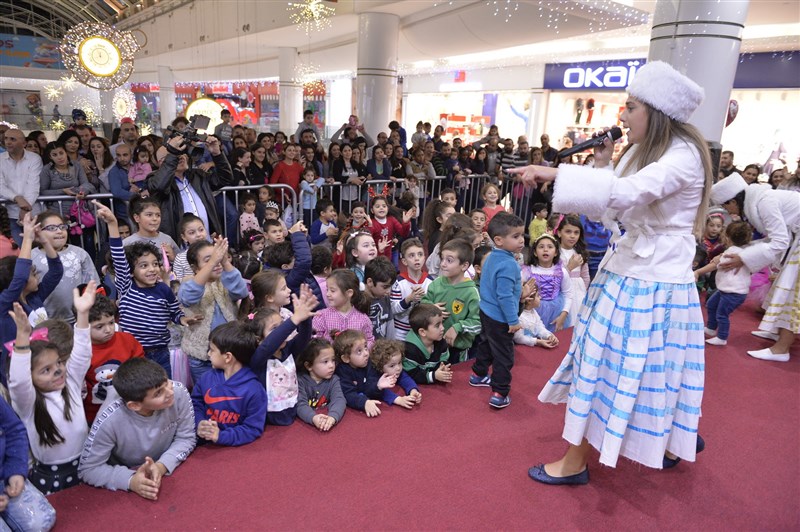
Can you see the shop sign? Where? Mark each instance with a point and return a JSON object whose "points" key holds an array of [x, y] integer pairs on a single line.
{"points": [[592, 75]]}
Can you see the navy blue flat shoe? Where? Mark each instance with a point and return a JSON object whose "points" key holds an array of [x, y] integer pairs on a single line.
{"points": [[538, 474], [669, 463]]}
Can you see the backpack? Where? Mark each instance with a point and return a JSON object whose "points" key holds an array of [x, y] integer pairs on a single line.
{"points": [[80, 218]]}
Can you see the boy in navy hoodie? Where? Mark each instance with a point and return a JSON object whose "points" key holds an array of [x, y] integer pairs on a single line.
{"points": [[230, 405], [293, 258], [362, 385], [427, 354]]}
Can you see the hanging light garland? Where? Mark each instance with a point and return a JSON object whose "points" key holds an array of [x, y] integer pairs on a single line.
{"points": [[99, 55], [310, 15]]}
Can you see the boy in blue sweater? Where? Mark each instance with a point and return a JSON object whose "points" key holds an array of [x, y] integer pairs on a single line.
{"points": [[501, 291], [324, 230], [230, 404], [293, 258]]}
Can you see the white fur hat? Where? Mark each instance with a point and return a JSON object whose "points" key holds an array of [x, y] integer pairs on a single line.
{"points": [[726, 189], [664, 88]]}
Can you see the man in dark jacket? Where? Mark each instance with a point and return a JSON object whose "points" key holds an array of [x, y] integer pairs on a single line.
{"points": [[181, 189]]}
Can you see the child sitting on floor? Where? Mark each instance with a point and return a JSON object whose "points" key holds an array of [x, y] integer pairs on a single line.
{"points": [[426, 351], [361, 384], [387, 359], [320, 402]]}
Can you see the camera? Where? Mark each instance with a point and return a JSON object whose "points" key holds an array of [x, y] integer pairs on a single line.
{"points": [[189, 133]]}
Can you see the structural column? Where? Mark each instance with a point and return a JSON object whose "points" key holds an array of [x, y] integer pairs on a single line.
{"points": [[290, 93], [701, 39], [376, 74], [166, 96], [107, 111]]}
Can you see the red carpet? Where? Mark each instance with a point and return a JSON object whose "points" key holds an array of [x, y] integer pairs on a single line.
{"points": [[456, 464]]}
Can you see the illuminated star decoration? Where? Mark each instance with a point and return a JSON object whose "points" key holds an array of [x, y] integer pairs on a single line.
{"points": [[124, 104], [145, 129], [57, 125], [68, 82], [307, 75], [52, 93], [311, 15]]}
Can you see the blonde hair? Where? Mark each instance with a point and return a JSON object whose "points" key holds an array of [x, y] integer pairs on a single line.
{"points": [[661, 131]]}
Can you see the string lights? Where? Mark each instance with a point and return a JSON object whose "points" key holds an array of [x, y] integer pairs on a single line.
{"points": [[310, 15], [506, 8]]}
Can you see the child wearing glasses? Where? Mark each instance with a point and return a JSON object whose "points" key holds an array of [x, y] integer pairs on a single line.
{"points": [[78, 266]]}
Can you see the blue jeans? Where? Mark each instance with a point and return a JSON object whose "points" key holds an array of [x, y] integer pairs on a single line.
{"points": [[160, 355], [16, 231], [198, 368], [720, 306], [29, 510]]}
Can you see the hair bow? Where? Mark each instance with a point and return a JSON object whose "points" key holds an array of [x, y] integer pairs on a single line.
{"points": [[558, 223], [37, 335], [251, 316]]}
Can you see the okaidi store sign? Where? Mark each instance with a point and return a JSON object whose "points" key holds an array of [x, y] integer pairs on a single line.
{"points": [[593, 75], [767, 70]]}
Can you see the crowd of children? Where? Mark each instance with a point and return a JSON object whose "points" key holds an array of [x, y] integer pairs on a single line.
{"points": [[116, 383]]}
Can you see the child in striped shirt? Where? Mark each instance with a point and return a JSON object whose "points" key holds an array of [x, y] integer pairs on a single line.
{"points": [[146, 304]]}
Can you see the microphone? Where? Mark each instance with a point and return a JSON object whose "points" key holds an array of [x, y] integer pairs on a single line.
{"points": [[612, 134]]}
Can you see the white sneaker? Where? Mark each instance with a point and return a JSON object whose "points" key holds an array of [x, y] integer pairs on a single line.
{"points": [[767, 354], [710, 332], [765, 334], [716, 341]]}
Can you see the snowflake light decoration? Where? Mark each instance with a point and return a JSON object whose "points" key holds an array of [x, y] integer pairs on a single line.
{"points": [[68, 82], [124, 104], [99, 55], [53, 93], [92, 110], [310, 15], [145, 129], [57, 125]]}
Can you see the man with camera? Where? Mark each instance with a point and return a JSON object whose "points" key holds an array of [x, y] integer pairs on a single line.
{"points": [[182, 188]]}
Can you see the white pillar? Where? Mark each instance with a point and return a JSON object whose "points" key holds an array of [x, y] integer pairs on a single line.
{"points": [[107, 111], [701, 39], [166, 95], [290, 93], [376, 75]]}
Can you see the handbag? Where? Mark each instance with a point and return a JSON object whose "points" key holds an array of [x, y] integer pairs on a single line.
{"points": [[80, 218]]}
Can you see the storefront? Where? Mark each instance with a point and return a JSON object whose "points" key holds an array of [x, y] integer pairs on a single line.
{"points": [[586, 96]]}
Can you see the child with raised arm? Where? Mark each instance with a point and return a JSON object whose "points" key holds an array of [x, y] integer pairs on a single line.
{"points": [[361, 384], [385, 229], [230, 405], [457, 296], [321, 402], [211, 297], [45, 391], [274, 361], [18, 283], [501, 291], [146, 304], [387, 359], [409, 287], [426, 351], [141, 436]]}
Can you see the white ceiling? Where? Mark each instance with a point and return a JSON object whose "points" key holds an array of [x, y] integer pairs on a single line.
{"points": [[431, 31]]}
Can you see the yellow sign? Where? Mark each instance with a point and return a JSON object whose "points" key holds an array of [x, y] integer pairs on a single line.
{"points": [[458, 306]]}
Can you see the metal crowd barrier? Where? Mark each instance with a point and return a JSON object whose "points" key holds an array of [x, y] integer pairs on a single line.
{"points": [[285, 196]]}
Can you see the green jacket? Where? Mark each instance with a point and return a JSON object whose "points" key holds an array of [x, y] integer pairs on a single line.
{"points": [[463, 303], [420, 363]]}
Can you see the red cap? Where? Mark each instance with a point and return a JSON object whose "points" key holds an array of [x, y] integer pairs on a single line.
{"points": [[126, 120]]}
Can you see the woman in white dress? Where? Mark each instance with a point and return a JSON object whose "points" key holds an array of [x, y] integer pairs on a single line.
{"points": [[776, 215], [633, 377]]}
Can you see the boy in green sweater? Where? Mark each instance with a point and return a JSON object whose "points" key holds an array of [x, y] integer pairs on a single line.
{"points": [[458, 298], [426, 351]]}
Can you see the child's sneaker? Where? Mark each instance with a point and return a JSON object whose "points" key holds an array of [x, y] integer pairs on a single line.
{"points": [[499, 401], [714, 340], [710, 332], [478, 382]]}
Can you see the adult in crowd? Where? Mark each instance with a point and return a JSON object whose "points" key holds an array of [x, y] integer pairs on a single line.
{"points": [[633, 377], [180, 188], [750, 173], [777, 176], [62, 177], [19, 180], [726, 166], [84, 135], [121, 188], [260, 169], [40, 137], [792, 181], [776, 215], [100, 164], [548, 152], [128, 134], [351, 175], [71, 142], [402, 138]]}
